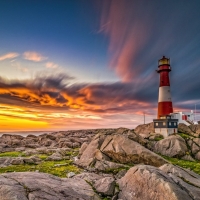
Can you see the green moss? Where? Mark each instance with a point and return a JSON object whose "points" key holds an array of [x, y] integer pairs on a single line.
{"points": [[42, 156], [57, 168], [12, 154], [158, 138], [194, 166], [185, 136]]}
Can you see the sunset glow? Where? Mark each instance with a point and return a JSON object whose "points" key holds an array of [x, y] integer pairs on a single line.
{"points": [[78, 65]]}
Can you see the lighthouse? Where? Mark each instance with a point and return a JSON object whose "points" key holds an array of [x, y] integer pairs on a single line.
{"points": [[165, 124], [164, 97]]}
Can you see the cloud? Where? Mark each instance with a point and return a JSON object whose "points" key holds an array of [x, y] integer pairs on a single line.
{"points": [[33, 56], [51, 65], [139, 34], [9, 55], [53, 99], [57, 92]]}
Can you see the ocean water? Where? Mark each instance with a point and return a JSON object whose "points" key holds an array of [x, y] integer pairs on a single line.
{"points": [[25, 133]]}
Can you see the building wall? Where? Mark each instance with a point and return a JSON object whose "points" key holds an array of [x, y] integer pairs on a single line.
{"points": [[165, 124], [166, 131], [179, 116]]}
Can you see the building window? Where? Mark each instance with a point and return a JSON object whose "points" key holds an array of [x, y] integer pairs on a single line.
{"points": [[174, 123], [156, 124], [170, 123], [164, 124]]}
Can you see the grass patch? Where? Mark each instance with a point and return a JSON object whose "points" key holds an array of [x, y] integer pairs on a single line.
{"points": [[12, 154], [184, 136], [20, 154], [46, 167], [42, 156], [194, 166], [158, 138]]}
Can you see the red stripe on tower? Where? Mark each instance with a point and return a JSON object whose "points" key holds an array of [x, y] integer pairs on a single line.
{"points": [[164, 98]]}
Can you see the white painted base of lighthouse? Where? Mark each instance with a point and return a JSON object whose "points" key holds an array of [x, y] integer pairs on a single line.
{"points": [[166, 131]]}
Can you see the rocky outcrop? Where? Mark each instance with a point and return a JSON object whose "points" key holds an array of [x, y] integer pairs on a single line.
{"points": [[172, 146], [144, 130], [186, 179], [194, 146], [105, 186], [88, 156], [120, 149], [148, 182], [106, 157], [40, 186], [195, 128], [67, 139], [189, 130]]}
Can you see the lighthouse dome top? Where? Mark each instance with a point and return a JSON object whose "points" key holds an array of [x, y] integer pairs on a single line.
{"points": [[164, 61]]}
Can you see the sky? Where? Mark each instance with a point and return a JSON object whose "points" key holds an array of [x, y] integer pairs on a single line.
{"points": [[86, 64]]}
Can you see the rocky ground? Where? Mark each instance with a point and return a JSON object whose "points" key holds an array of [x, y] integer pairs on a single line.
{"points": [[104, 164]]}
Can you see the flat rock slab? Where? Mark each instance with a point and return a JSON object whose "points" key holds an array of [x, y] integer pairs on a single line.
{"points": [[41, 186]]}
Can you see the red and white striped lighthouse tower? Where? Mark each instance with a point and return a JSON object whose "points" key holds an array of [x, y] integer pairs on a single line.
{"points": [[164, 98]]}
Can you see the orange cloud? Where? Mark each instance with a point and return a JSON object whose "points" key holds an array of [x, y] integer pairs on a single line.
{"points": [[55, 103], [9, 55], [33, 56]]}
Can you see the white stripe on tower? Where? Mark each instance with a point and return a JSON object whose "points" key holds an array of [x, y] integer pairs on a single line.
{"points": [[164, 94]]}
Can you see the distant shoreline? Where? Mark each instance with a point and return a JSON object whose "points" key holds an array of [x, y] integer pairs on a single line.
{"points": [[25, 133]]}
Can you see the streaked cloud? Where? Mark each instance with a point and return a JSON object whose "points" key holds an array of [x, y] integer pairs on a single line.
{"points": [[51, 65], [9, 55], [34, 56], [57, 92], [139, 34], [51, 102]]}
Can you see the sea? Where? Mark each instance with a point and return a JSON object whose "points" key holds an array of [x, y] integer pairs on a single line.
{"points": [[25, 133]]}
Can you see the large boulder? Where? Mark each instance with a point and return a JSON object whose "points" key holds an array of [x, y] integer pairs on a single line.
{"points": [[105, 186], [145, 130], [82, 149], [122, 149], [40, 186], [183, 128], [195, 128], [186, 179], [88, 155], [150, 183], [172, 146]]}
